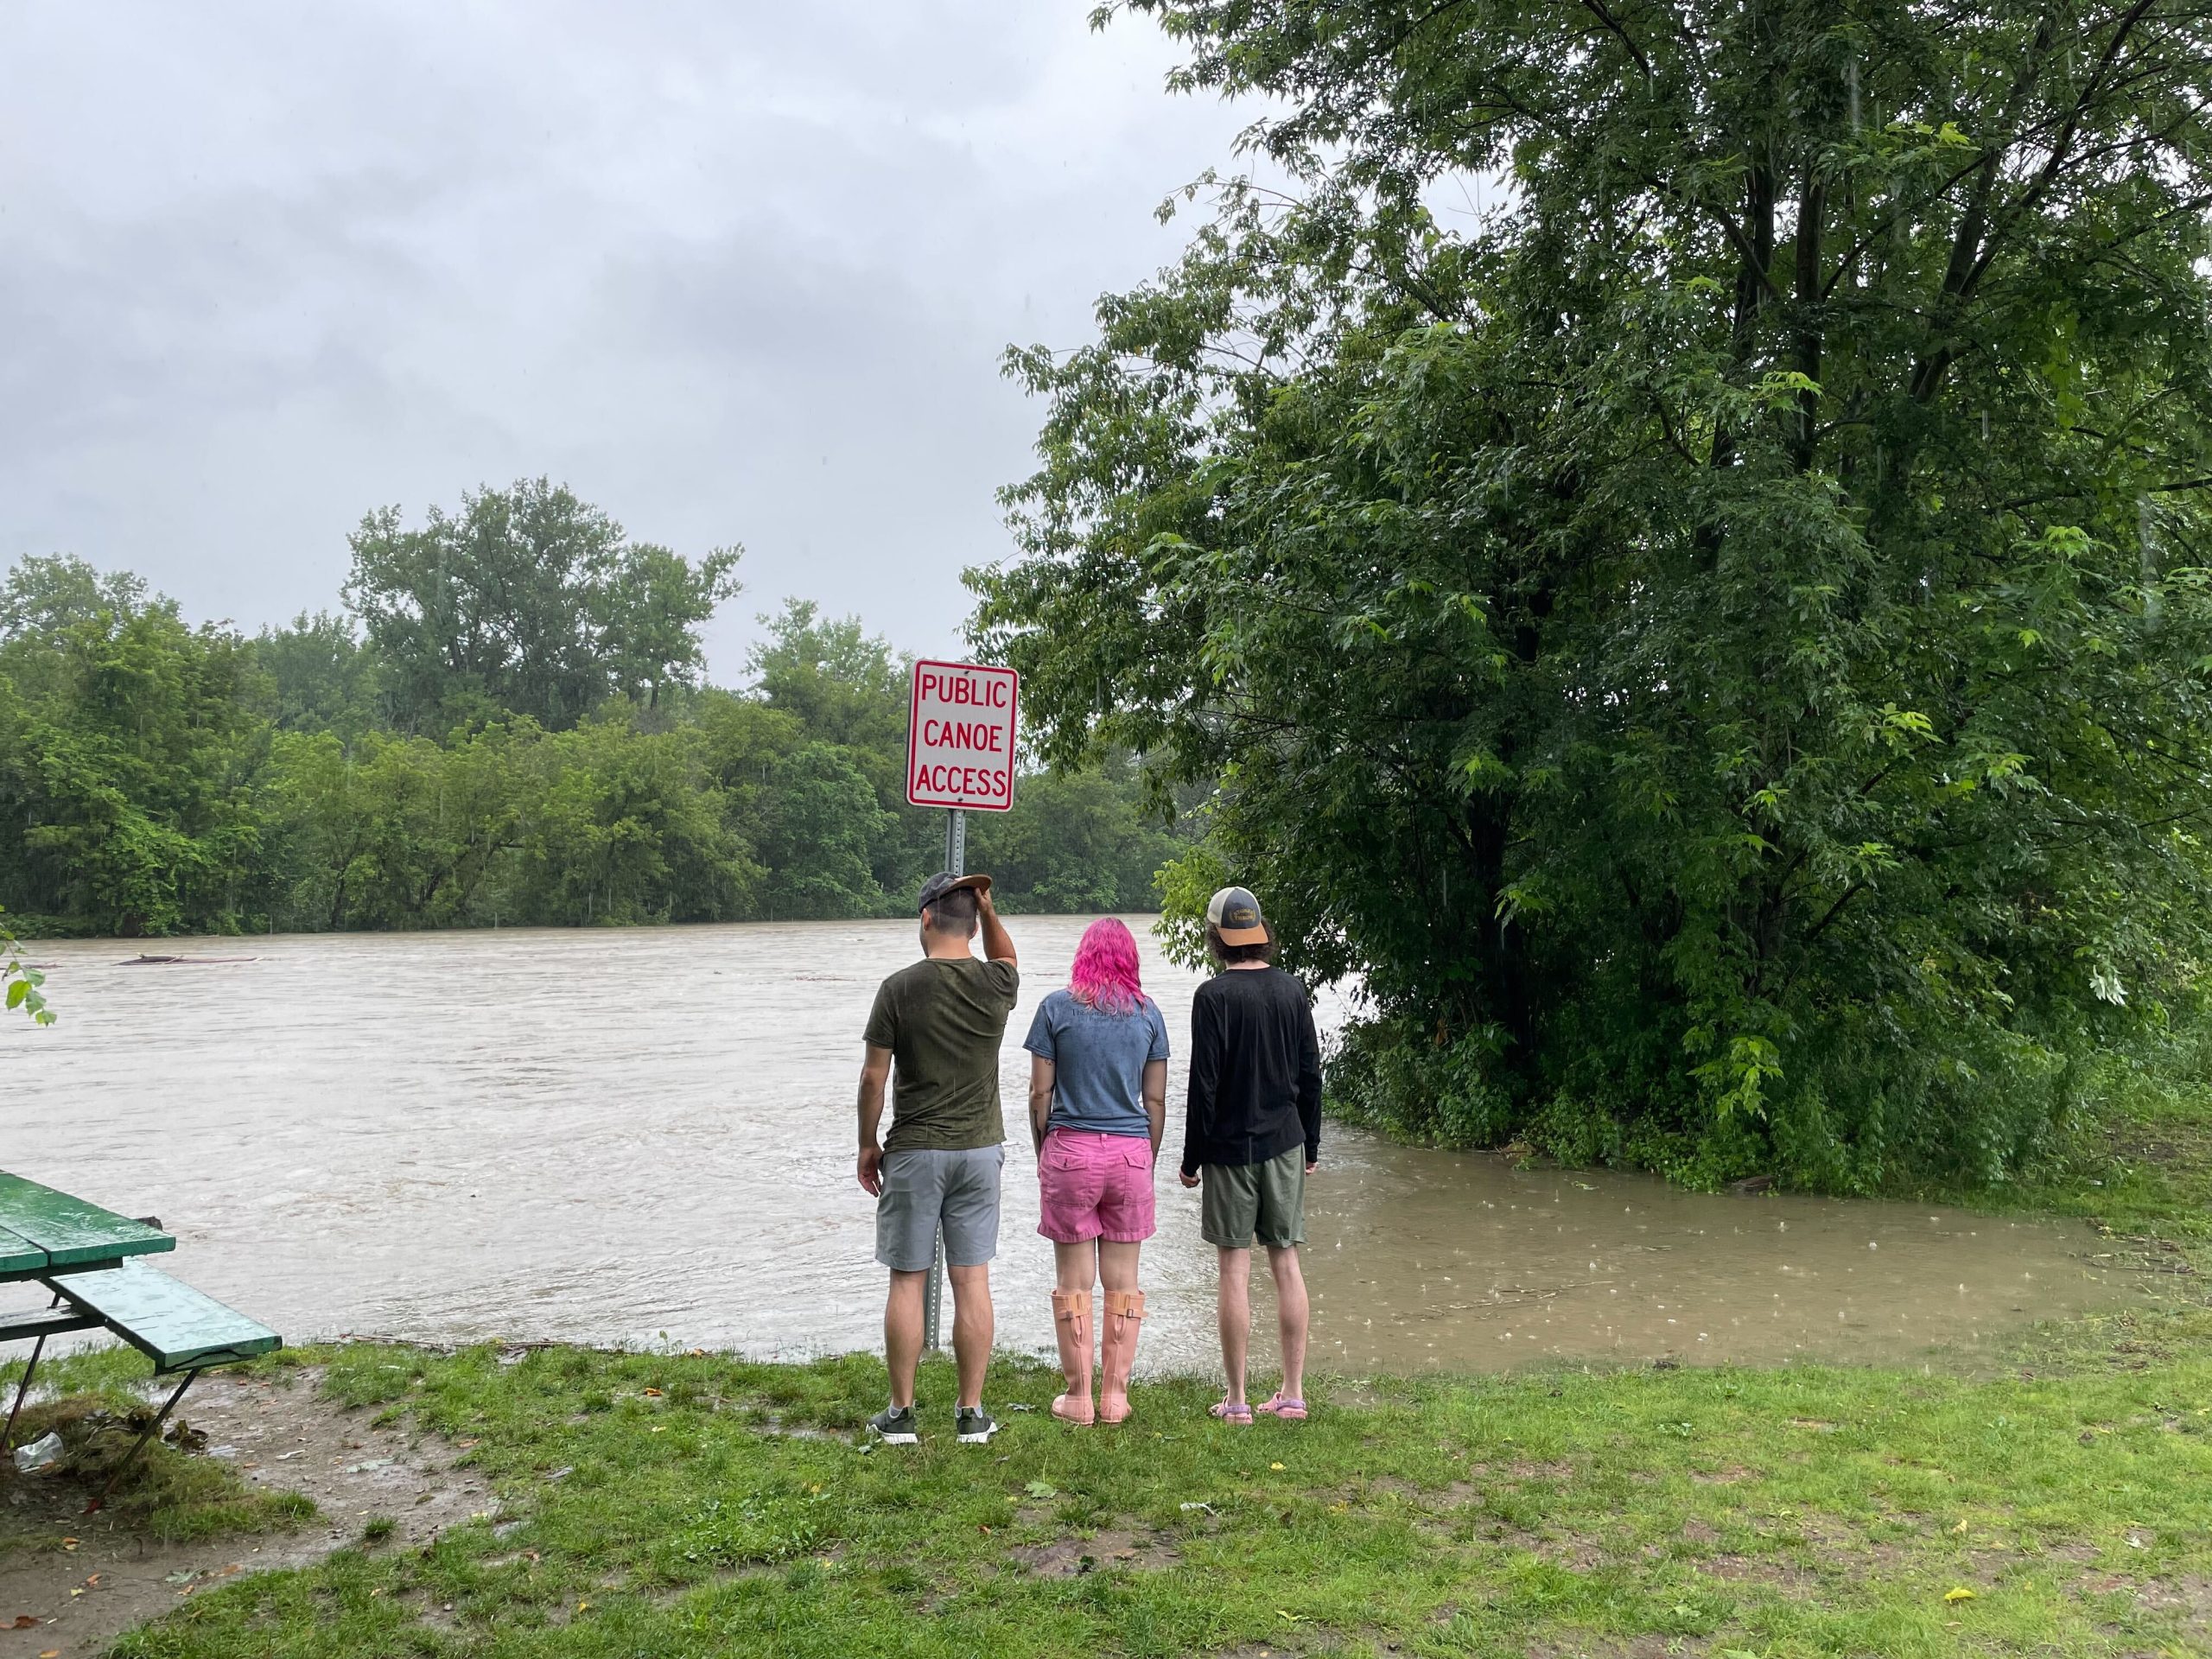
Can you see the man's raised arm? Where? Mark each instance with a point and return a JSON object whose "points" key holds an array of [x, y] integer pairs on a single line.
{"points": [[998, 945]]}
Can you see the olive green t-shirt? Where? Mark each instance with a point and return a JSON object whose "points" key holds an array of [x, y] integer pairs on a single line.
{"points": [[943, 1018]]}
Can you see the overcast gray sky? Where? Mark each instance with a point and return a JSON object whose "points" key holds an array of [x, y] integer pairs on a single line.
{"points": [[736, 271]]}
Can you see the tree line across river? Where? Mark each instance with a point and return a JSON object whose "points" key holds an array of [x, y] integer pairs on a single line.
{"points": [[508, 724]]}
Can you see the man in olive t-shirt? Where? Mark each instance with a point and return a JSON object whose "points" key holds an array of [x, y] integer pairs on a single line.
{"points": [[935, 1032]]}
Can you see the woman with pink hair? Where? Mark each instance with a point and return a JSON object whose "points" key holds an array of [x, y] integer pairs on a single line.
{"points": [[1097, 1103]]}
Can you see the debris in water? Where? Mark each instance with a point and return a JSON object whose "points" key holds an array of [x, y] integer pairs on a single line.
{"points": [[143, 961]]}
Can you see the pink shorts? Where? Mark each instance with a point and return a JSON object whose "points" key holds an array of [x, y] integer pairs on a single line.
{"points": [[1094, 1185]]}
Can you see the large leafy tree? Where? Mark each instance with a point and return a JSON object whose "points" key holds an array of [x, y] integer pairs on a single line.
{"points": [[528, 601], [1715, 636], [316, 675], [132, 766]]}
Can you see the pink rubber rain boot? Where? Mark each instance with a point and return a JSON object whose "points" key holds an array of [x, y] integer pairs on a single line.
{"points": [[1072, 1326], [1124, 1313]]}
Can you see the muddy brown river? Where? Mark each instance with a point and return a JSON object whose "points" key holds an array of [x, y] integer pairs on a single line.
{"points": [[646, 1136]]}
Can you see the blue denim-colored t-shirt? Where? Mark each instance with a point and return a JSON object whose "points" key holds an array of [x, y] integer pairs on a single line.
{"points": [[1098, 1060]]}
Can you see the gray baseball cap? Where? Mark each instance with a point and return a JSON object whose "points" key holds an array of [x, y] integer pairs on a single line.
{"points": [[945, 881]]}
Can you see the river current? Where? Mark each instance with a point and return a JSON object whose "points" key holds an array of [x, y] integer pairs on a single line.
{"points": [[646, 1136]]}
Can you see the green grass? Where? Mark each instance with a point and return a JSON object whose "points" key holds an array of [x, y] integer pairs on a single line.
{"points": [[1797, 1511]]}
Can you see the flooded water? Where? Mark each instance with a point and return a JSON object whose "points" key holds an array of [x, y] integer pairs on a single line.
{"points": [[647, 1135]]}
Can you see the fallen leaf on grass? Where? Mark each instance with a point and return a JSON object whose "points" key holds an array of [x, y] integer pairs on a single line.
{"points": [[1295, 1618], [69, 1543], [1042, 1488], [1962, 1527], [583, 1606], [1958, 1592], [652, 1394], [1276, 1466]]}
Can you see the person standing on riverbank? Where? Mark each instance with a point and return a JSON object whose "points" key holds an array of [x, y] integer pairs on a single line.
{"points": [[1098, 1105], [934, 1035], [1251, 1137]]}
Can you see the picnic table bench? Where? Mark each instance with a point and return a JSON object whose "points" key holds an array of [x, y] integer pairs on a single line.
{"points": [[84, 1256]]}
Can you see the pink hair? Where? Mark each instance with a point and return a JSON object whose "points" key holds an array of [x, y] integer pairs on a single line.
{"points": [[1105, 971]]}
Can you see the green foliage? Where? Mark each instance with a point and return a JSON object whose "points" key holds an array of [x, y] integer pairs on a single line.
{"points": [[1075, 842], [529, 602], [1718, 642], [19, 983], [318, 678], [126, 776], [159, 779], [821, 823]]}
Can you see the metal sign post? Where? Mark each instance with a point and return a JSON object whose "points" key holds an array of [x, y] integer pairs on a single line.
{"points": [[955, 863]]}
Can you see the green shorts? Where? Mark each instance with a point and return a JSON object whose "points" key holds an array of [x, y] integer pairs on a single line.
{"points": [[1244, 1201]]}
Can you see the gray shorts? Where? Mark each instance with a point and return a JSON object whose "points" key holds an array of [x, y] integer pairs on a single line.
{"points": [[924, 1188]]}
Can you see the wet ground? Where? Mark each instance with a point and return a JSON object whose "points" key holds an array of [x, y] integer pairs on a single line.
{"points": [[70, 1583], [646, 1135]]}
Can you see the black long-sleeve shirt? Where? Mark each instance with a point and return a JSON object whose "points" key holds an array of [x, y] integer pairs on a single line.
{"points": [[1255, 1070]]}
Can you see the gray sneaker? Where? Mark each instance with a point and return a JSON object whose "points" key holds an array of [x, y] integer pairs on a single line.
{"points": [[895, 1425], [975, 1425]]}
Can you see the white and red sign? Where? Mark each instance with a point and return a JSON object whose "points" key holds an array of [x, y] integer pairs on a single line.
{"points": [[960, 736]]}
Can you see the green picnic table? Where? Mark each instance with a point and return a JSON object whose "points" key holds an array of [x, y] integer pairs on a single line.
{"points": [[84, 1256]]}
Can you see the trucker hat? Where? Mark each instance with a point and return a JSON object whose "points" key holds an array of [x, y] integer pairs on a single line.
{"points": [[1235, 914], [945, 881]]}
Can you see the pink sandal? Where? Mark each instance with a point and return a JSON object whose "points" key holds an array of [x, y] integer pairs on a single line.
{"points": [[1289, 1411], [1231, 1412]]}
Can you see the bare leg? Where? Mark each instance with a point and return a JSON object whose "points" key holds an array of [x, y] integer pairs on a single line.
{"points": [[1235, 1311], [1291, 1315], [902, 1334], [973, 1327], [1075, 1264], [1117, 1265]]}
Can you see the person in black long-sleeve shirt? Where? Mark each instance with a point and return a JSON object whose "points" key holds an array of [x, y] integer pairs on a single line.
{"points": [[1251, 1135]]}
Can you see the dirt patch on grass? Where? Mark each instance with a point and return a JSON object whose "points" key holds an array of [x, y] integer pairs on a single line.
{"points": [[1558, 1468], [1757, 1569], [280, 1434], [1112, 1550], [2187, 1600]]}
